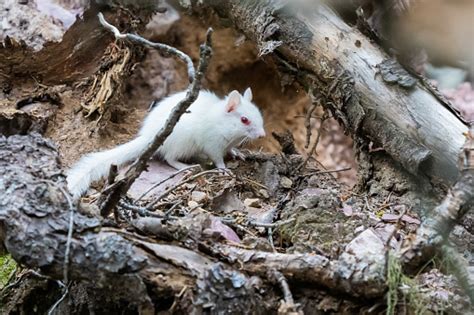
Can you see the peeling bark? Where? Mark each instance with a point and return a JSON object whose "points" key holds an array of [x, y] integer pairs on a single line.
{"points": [[153, 276], [192, 274], [79, 53]]}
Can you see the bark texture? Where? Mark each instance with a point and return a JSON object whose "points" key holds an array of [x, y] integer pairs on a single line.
{"points": [[81, 49], [34, 218], [370, 94]]}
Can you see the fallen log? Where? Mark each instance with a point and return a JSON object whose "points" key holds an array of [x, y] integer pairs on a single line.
{"points": [[368, 92]]}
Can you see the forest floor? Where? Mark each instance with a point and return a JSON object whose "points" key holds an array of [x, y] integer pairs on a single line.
{"points": [[316, 208]]}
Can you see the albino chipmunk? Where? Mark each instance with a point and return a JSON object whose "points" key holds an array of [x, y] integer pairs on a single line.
{"points": [[212, 126]]}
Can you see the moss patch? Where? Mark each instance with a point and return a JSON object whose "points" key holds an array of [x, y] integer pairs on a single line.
{"points": [[7, 265]]}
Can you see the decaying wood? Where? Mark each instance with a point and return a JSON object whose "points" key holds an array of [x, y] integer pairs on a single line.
{"points": [[108, 258], [203, 275], [194, 271], [432, 235], [368, 93], [78, 54]]}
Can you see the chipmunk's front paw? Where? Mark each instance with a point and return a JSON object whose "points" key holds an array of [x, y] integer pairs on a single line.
{"points": [[237, 154]]}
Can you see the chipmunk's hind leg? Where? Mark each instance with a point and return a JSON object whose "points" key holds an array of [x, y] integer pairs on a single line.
{"points": [[176, 164]]}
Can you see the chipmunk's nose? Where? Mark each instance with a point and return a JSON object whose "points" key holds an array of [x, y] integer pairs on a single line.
{"points": [[261, 133]]}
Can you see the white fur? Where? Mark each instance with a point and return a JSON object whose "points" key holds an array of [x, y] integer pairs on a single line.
{"points": [[209, 129]]}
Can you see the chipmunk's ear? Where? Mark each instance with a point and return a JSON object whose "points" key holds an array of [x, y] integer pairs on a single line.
{"points": [[233, 101], [248, 94]]}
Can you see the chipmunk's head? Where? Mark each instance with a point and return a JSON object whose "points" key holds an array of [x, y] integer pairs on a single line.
{"points": [[246, 119]]}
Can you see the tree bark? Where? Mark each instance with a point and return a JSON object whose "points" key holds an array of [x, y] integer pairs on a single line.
{"points": [[34, 216], [372, 96]]}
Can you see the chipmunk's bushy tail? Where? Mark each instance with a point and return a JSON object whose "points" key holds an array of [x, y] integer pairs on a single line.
{"points": [[97, 165]]}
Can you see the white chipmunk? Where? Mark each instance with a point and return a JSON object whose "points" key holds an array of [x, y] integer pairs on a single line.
{"points": [[212, 126]]}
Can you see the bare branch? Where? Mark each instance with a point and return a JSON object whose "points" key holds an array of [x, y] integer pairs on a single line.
{"points": [[163, 48], [190, 179], [316, 142], [289, 304], [432, 235]]}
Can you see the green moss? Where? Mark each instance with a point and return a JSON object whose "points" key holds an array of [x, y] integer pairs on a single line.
{"points": [[410, 293], [394, 275], [7, 265]]}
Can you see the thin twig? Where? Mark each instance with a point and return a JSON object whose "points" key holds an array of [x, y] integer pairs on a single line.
{"points": [[140, 210], [177, 300], [307, 122], [67, 252], [233, 223], [69, 235], [112, 194], [167, 179], [251, 181], [315, 144], [270, 238], [367, 204], [396, 229], [272, 225], [70, 227], [168, 212], [53, 308], [187, 180], [59, 283], [328, 171], [279, 278]]}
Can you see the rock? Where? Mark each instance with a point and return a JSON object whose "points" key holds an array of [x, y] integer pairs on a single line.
{"points": [[192, 204], [268, 175], [363, 258], [223, 230], [198, 196], [347, 210], [252, 202], [285, 182], [264, 193], [227, 202], [359, 229]]}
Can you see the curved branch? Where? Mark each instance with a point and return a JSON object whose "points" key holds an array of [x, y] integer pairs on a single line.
{"points": [[163, 48]]}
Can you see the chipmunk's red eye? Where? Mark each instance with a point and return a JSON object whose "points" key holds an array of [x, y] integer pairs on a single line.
{"points": [[245, 120]]}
